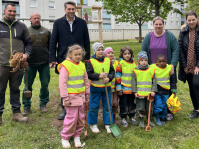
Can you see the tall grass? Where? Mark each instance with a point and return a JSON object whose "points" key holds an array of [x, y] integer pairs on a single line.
{"points": [[43, 129]]}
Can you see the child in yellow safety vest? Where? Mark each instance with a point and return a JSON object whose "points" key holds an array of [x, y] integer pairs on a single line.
{"points": [[143, 84], [165, 84], [75, 91], [108, 52], [98, 80], [123, 85]]}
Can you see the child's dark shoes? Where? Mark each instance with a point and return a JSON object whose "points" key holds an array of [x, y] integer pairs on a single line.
{"points": [[124, 123], [141, 124], [133, 120]]}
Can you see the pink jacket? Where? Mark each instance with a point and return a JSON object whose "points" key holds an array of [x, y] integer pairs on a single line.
{"points": [[74, 99]]}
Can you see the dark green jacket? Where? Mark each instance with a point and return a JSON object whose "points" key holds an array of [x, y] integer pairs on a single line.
{"points": [[13, 37], [40, 45], [172, 48]]}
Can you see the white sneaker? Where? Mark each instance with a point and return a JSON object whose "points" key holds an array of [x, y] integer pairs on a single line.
{"points": [[94, 128], [108, 128], [77, 142], [65, 143]]}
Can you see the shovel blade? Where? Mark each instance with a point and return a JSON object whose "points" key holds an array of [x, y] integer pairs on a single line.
{"points": [[27, 94], [115, 131]]}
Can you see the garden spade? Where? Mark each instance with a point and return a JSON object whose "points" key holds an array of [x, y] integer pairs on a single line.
{"points": [[85, 129], [27, 93], [150, 98], [113, 127]]}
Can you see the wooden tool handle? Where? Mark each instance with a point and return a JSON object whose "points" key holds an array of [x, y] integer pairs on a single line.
{"points": [[109, 110]]}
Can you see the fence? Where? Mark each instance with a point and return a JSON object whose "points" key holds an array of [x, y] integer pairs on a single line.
{"points": [[107, 34]]}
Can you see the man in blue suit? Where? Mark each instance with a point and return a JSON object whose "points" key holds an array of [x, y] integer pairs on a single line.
{"points": [[67, 31]]}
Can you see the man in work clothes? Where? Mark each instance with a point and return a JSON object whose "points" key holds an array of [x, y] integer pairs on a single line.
{"points": [[67, 31], [38, 61], [13, 36]]}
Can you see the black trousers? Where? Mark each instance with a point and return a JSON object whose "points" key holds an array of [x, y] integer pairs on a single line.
{"points": [[127, 105], [14, 79], [193, 82]]}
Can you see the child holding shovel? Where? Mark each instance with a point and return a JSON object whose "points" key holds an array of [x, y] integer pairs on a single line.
{"points": [[75, 91], [108, 52], [123, 85], [98, 79], [143, 84], [165, 83]]}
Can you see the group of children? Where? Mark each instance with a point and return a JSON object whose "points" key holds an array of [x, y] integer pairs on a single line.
{"points": [[125, 79]]}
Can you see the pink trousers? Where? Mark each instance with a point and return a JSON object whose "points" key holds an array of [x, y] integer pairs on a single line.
{"points": [[74, 122]]}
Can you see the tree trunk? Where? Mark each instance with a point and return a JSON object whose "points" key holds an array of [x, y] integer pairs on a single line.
{"points": [[140, 33], [157, 8]]}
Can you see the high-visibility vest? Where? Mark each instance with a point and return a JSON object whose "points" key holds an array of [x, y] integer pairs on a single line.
{"points": [[75, 83], [144, 80], [162, 76], [115, 64], [127, 70], [97, 66]]}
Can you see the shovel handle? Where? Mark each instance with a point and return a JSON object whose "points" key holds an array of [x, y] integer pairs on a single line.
{"points": [[109, 110], [26, 77], [148, 127]]}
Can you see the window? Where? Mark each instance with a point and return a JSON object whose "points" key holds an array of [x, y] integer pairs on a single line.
{"points": [[171, 22], [117, 23], [51, 4], [165, 23], [171, 13], [33, 3], [177, 15], [177, 23], [128, 23]]}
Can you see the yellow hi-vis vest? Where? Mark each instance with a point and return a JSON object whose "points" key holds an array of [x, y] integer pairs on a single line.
{"points": [[127, 70], [115, 64], [162, 76], [75, 83], [97, 66], [144, 80]]}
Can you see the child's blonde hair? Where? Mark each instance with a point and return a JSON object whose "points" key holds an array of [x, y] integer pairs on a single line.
{"points": [[75, 47]]}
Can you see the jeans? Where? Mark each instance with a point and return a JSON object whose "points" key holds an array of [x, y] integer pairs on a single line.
{"points": [[127, 105], [160, 105]]}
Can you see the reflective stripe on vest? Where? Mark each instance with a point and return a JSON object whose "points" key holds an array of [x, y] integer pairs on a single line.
{"points": [[144, 81], [127, 69], [115, 64], [162, 76], [97, 67], [75, 83]]}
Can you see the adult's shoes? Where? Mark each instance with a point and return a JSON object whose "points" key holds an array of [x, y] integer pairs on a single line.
{"points": [[194, 114]]}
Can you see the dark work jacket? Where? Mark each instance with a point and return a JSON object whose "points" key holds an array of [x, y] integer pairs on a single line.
{"points": [[40, 37], [63, 38], [95, 76], [183, 47]]}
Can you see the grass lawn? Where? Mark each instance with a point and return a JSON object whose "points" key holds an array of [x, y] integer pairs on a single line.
{"points": [[43, 130]]}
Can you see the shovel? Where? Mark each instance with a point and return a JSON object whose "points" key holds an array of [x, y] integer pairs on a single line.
{"points": [[85, 129], [150, 98], [27, 93], [113, 127]]}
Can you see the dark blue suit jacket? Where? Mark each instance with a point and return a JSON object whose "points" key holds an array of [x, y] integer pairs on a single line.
{"points": [[63, 36]]}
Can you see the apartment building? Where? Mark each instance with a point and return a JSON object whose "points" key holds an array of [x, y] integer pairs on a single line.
{"points": [[53, 9]]}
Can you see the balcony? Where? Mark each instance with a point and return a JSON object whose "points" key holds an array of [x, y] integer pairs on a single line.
{"points": [[85, 2]]}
